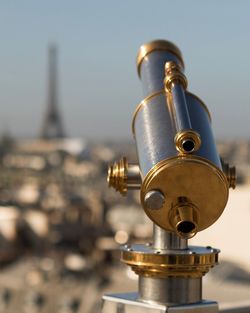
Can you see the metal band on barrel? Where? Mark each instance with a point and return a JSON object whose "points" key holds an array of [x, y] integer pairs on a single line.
{"points": [[157, 45], [157, 93]]}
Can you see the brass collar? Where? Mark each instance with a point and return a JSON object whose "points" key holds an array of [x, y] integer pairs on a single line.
{"points": [[160, 45]]}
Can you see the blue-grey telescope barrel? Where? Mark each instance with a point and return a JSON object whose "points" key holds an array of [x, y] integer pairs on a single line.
{"points": [[154, 123], [151, 66]]}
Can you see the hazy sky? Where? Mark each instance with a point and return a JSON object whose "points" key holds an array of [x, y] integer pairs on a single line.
{"points": [[98, 42]]}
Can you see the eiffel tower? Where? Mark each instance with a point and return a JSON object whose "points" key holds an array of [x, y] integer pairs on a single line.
{"points": [[52, 125]]}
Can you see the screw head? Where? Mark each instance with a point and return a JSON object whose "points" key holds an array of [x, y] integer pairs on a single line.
{"points": [[154, 200]]}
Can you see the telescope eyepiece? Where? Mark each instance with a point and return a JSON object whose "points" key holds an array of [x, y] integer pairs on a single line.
{"points": [[184, 218], [187, 141], [188, 145], [185, 228]]}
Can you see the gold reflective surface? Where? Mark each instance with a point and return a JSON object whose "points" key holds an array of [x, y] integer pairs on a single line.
{"points": [[193, 178], [173, 74], [123, 176], [189, 263], [157, 45], [184, 218], [117, 177]]}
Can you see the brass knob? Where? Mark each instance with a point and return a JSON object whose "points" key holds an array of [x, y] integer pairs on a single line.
{"points": [[174, 74], [123, 176], [230, 172]]}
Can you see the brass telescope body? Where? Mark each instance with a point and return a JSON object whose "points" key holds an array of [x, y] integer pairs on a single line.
{"points": [[183, 183], [184, 186]]}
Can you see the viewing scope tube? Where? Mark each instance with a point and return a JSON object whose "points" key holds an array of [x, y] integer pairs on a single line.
{"points": [[183, 182]]}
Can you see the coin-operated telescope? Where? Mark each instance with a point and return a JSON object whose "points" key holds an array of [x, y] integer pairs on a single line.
{"points": [[183, 183]]}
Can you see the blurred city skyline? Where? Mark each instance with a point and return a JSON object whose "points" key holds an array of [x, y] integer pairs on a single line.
{"points": [[98, 42]]}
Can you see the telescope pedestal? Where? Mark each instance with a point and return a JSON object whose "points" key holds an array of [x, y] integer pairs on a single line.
{"points": [[183, 188], [170, 277], [129, 303]]}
